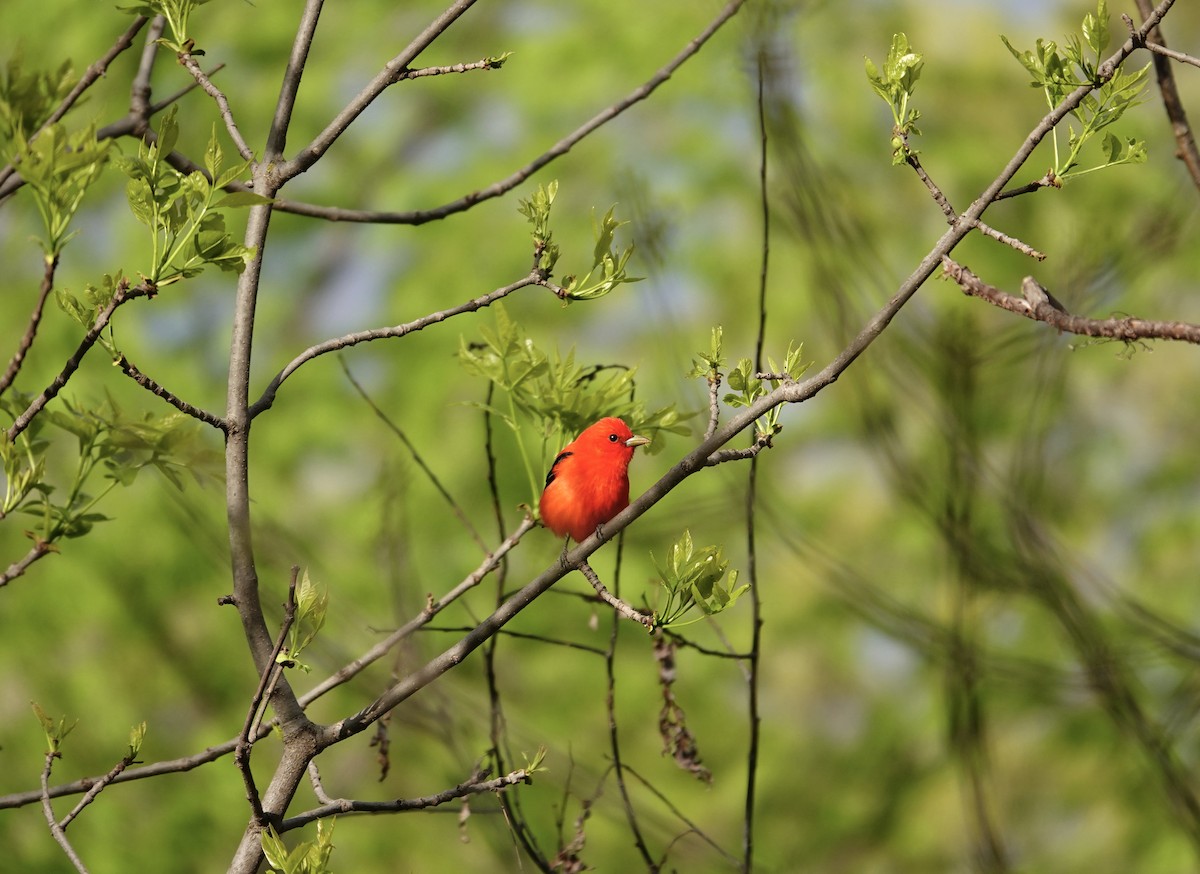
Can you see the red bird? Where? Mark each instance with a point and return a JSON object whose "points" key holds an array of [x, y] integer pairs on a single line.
{"points": [[588, 482]]}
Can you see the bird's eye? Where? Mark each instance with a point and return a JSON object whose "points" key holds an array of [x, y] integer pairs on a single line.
{"points": [[613, 438]]}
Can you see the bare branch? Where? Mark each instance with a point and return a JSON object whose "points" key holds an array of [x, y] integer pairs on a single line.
{"points": [[96, 788], [127, 367], [612, 600], [476, 785], [189, 64], [48, 810], [417, 217], [35, 318], [432, 609], [987, 230], [1185, 139], [348, 340], [266, 681], [1039, 306], [483, 64], [395, 68], [40, 549], [122, 295]]}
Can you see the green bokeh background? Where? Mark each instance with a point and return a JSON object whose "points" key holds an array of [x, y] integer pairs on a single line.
{"points": [[958, 411]]}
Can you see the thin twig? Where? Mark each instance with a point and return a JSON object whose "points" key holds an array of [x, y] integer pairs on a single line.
{"points": [[312, 153], [96, 789], [756, 620], [267, 680], [1185, 139], [626, 610], [40, 549], [614, 741], [476, 785], [314, 777], [35, 318], [189, 64], [55, 829], [416, 456], [951, 216], [432, 609], [762, 440], [421, 72], [127, 367], [348, 340], [122, 295], [1172, 54], [510, 182]]}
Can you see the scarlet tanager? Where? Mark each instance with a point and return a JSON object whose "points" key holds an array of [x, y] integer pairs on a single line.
{"points": [[588, 482]]}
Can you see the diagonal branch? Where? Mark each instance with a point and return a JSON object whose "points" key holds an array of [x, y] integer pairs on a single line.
{"points": [[35, 318], [189, 64], [496, 189], [55, 829], [127, 367], [348, 340], [122, 295], [390, 74], [1172, 103], [788, 393]]}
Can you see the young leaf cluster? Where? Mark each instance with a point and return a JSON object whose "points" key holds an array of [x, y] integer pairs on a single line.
{"points": [[186, 231], [109, 441], [176, 14], [554, 393], [312, 603], [28, 98], [748, 387], [537, 212], [56, 732], [608, 266], [895, 84], [58, 168], [710, 364], [693, 578], [1059, 71], [308, 857]]}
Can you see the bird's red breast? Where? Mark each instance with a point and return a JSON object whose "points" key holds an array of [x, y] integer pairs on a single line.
{"points": [[588, 482]]}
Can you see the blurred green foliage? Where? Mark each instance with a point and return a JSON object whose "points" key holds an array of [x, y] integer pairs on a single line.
{"points": [[927, 526]]}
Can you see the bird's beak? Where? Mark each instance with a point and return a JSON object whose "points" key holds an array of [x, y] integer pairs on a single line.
{"points": [[634, 442]]}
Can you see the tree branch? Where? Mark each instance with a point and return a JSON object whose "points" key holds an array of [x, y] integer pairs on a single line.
{"points": [[189, 63], [122, 295], [266, 681], [612, 600], [312, 153], [55, 829], [348, 340], [1172, 103], [127, 367], [476, 785], [35, 318], [496, 189], [1038, 305]]}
